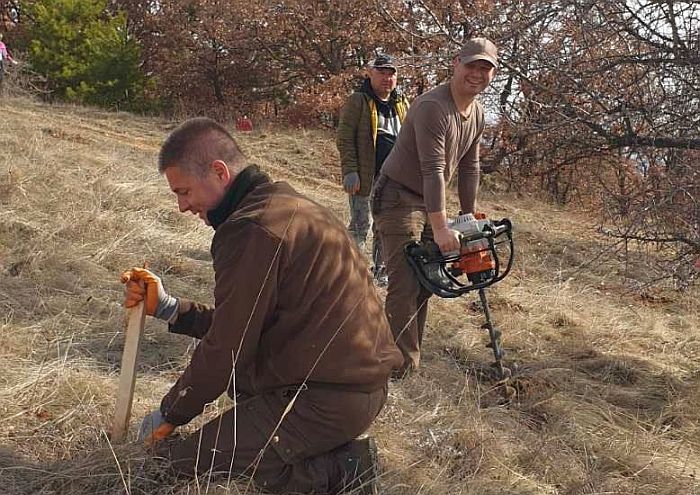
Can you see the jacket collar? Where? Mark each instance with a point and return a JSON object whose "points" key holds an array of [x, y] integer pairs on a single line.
{"points": [[247, 180], [366, 88]]}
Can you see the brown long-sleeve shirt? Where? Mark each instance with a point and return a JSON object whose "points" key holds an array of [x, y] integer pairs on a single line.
{"points": [[436, 140], [294, 302]]}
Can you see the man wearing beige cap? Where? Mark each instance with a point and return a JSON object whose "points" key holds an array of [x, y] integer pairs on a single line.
{"points": [[439, 137]]}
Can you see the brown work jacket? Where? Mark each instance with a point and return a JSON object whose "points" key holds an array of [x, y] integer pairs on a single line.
{"points": [[294, 304]]}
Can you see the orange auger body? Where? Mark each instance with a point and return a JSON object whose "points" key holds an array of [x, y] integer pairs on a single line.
{"points": [[475, 257]]}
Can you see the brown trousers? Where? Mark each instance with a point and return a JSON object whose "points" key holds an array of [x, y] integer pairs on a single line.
{"points": [[401, 217], [296, 452]]}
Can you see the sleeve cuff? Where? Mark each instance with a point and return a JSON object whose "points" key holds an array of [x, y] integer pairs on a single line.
{"points": [[181, 323]]}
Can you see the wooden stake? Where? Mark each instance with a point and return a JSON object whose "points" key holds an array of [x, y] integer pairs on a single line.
{"points": [[136, 318]]}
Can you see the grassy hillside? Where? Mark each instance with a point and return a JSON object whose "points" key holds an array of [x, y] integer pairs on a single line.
{"points": [[607, 378]]}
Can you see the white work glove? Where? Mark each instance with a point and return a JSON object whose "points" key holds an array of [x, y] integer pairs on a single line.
{"points": [[142, 284], [351, 183]]}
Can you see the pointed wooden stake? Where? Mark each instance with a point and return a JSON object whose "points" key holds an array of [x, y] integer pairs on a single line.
{"points": [[136, 318]]}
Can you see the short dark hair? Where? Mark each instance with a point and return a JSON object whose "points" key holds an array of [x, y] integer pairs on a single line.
{"points": [[197, 142]]}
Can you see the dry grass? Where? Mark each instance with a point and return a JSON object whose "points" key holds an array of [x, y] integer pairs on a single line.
{"points": [[607, 381]]}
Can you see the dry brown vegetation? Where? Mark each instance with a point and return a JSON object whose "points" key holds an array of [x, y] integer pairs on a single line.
{"points": [[608, 388]]}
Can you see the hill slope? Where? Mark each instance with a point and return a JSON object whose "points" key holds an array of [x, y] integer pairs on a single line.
{"points": [[608, 384]]}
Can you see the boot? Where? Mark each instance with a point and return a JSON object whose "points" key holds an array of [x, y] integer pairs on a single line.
{"points": [[358, 459]]}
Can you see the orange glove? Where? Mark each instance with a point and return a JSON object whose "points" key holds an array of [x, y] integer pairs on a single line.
{"points": [[154, 428], [142, 284], [161, 433]]}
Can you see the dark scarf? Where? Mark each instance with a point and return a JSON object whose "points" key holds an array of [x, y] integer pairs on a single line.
{"points": [[249, 178], [386, 108]]}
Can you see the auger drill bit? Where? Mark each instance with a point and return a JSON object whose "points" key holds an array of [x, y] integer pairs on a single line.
{"points": [[495, 335]]}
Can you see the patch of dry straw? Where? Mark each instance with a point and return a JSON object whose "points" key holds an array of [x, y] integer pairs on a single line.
{"points": [[607, 383]]}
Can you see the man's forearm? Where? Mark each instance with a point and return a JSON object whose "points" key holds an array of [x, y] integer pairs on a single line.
{"points": [[434, 196], [193, 319], [434, 192], [468, 173], [348, 158], [438, 220], [346, 137], [468, 187]]}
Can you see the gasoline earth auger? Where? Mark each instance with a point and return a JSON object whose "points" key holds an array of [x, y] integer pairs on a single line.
{"points": [[484, 245]]}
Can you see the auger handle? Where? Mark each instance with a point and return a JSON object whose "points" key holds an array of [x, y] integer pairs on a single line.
{"points": [[498, 228]]}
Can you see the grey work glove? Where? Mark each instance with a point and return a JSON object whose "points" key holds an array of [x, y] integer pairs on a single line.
{"points": [[351, 183], [142, 284], [150, 423]]}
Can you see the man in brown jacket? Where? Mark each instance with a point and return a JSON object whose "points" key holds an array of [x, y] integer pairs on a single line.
{"points": [[296, 336], [439, 137]]}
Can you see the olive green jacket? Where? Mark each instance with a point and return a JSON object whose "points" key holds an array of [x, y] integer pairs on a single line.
{"points": [[356, 136]]}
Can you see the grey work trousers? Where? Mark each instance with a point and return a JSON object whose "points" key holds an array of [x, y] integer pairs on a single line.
{"points": [[401, 218], [290, 452], [360, 223]]}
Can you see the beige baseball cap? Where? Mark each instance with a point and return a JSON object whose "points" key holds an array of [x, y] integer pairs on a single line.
{"points": [[479, 49]]}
